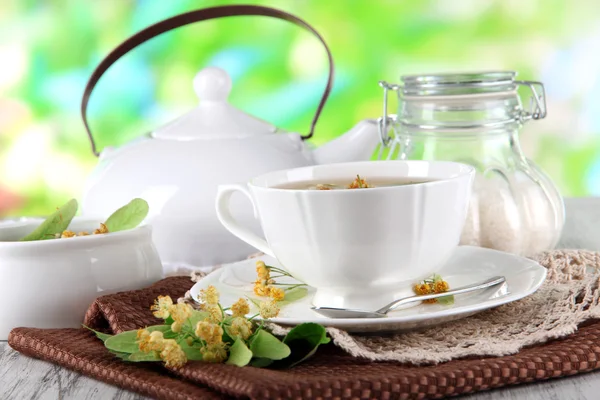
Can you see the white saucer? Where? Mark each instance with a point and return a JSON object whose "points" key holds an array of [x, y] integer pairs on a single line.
{"points": [[467, 265]]}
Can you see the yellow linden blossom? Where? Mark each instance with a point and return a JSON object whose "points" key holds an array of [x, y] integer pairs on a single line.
{"points": [[260, 288], [268, 309], [180, 312], [176, 326], [172, 354], [214, 353], [262, 270], [150, 341], [68, 234], [161, 307], [142, 334], [102, 229], [440, 287], [240, 308], [240, 328], [84, 233], [215, 315], [209, 332], [210, 295], [422, 288], [276, 293]]}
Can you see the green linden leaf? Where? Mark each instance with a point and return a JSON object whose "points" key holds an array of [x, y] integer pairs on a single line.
{"points": [[129, 216], [265, 345], [122, 356], [227, 338], [446, 300], [125, 342], [139, 356], [303, 340], [239, 354], [196, 317], [55, 223], [100, 335], [191, 352], [261, 362], [293, 295]]}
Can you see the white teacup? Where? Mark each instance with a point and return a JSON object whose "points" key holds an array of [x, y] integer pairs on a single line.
{"points": [[359, 248]]}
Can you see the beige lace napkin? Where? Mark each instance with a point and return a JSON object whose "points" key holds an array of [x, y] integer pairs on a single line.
{"points": [[568, 297]]}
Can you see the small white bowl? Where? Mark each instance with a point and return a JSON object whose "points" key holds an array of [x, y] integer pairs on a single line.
{"points": [[51, 283]]}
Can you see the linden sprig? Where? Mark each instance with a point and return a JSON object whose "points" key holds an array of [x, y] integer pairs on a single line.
{"points": [[265, 284], [435, 284], [214, 335]]}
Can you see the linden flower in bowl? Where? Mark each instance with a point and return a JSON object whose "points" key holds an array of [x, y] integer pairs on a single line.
{"points": [[52, 270]]}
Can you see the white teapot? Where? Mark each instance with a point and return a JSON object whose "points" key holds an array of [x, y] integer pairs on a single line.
{"points": [[177, 167]]}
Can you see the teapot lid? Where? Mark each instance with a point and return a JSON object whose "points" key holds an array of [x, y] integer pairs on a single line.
{"points": [[214, 117]]}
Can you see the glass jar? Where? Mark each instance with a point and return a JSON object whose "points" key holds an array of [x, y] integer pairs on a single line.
{"points": [[475, 118]]}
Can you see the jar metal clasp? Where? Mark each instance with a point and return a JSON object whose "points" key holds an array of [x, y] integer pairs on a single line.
{"points": [[387, 120], [537, 101]]}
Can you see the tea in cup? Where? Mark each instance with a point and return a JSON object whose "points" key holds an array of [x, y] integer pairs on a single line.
{"points": [[361, 233]]}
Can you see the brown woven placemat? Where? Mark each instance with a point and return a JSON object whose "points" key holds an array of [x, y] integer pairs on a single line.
{"points": [[330, 374]]}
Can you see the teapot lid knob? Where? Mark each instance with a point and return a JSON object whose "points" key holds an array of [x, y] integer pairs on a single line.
{"points": [[212, 84], [213, 117]]}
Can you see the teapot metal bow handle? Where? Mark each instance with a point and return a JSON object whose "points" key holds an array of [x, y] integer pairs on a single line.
{"points": [[189, 18]]}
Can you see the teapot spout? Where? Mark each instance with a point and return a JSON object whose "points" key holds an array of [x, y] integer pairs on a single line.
{"points": [[358, 144]]}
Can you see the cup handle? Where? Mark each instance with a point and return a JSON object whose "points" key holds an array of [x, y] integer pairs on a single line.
{"points": [[224, 215]]}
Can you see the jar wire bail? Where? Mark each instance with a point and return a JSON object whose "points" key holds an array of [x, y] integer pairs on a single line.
{"points": [[538, 96], [387, 120]]}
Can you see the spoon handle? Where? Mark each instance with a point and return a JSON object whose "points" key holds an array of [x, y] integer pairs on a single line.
{"points": [[463, 289]]}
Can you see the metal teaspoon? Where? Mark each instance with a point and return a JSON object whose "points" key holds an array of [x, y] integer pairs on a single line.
{"points": [[332, 312]]}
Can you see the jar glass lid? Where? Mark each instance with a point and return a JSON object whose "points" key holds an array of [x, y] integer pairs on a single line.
{"points": [[458, 83]]}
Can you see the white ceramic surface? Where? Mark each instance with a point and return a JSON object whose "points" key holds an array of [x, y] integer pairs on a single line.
{"points": [[359, 248], [466, 265], [178, 167], [51, 283]]}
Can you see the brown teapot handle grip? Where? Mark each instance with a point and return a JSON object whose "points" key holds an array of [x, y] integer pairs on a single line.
{"points": [[188, 18]]}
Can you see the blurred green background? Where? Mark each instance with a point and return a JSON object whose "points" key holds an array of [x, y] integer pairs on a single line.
{"points": [[48, 49]]}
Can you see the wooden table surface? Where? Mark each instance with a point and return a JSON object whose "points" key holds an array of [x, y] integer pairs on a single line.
{"points": [[26, 378]]}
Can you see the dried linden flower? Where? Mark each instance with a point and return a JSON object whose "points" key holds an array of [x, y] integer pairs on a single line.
{"points": [[161, 307], [276, 293], [214, 353], [240, 328], [320, 186], [180, 312], [68, 234], [358, 183], [84, 233], [102, 229], [209, 332], [268, 309], [210, 295], [172, 354], [240, 308]]}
